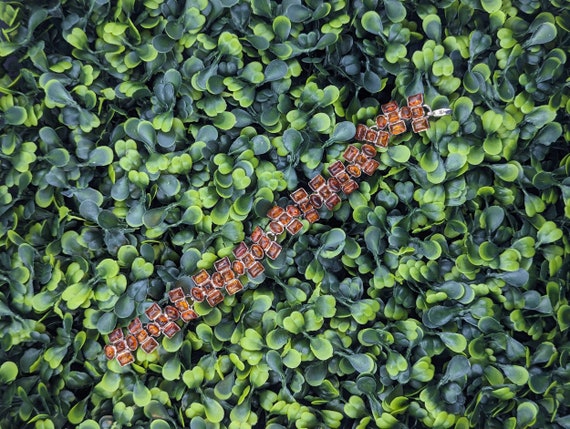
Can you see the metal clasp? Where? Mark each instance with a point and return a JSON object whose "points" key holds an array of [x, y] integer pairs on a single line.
{"points": [[439, 112]]}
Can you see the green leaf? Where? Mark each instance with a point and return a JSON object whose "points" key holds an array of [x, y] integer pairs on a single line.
{"points": [[543, 34], [281, 27], [15, 115], [343, 131], [455, 342], [57, 95], [372, 22], [159, 424], [321, 348], [141, 394], [491, 6], [292, 359], [361, 362], [548, 233], [275, 70], [101, 156], [395, 10], [333, 243], [8, 372], [77, 412], [527, 413]]}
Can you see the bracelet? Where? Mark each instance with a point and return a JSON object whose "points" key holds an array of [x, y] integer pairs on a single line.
{"points": [[228, 274]]}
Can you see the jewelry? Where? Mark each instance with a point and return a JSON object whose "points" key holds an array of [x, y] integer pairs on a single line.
{"points": [[227, 274]]}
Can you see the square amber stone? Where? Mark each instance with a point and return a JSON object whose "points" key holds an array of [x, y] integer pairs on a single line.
{"points": [[116, 335], [418, 112], [299, 195], [171, 329], [421, 124], [125, 358], [182, 305], [217, 280], [132, 342], [274, 212], [238, 267], [312, 216], [171, 312], [135, 326], [255, 235], [295, 226], [285, 218], [381, 121], [224, 264], [343, 177], [361, 159], [256, 251], [176, 294], [153, 329], [383, 137], [202, 278], [240, 250], [198, 294], [398, 128], [371, 137], [325, 192], [360, 131], [121, 346], [110, 351], [332, 201], [188, 315], [317, 182], [336, 167], [389, 107], [333, 184], [161, 320], [415, 100], [370, 167], [305, 206], [153, 311], [316, 200], [393, 117], [264, 242], [350, 153], [248, 259], [228, 275], [233, 287], [142, 336], [349, 187], [293, 211], [214, 298], [368, 150], [274, 250], [353, 170], [149, 345], [405, 112], [256, 269], [276, 227]]}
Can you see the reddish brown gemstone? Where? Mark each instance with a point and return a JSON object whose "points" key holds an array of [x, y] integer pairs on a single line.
{"points": [[299, 195], [353, 170], [350, 153], [176, 294], [121, 346], [361, 159], [393, 117], [295, 226], [336, 167], [312, 216], [343, 177], [171, 312], [316, 200], [264, 242], [248, 260], [370, 166], [293, 211], [238, 267], [233, 287], [135, 326], [182, 305], [132, 342], [274, 250], [285, 218], [421, 124], [332, 201], [240, 250], [349, 187], [257, 251], [383, 138], [125, 358], [161, 320], [217, 280], [256, 269], [415, 100], [368, 150], [405, 112], [274, 212], [381, 121], [317, 182], [153, 329], [142, 336], [149, 345], [276, 227], [371, 136], [171, 329], [325, 192], [202, 278], [305, 206], [334, 184], [389, 107], [110, 351], [256, 234], [198, 294], [116, 335], [153, 311], [224, 264], [417, 112], [228, 275], [360, 131], [214, 297], [188, 315], [398, 128]]}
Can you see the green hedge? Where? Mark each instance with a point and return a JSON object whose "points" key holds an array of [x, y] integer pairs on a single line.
{"points": [[142, 140]]}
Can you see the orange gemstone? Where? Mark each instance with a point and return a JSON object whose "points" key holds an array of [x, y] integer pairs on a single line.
{"points": [[116, 335], [325, 192], [415, 100], [360, 131], [274, 212], [153, 311], [121, 346], [389, 107], [255, 236], [233, 287], [370, 166], [353, 170], [299, 195], [264, 242], [398, 128], [312, 216], [257, 251], [361, 159], [161, 320], [132, 342], [383, 138], [198, 294], [171, 312], [381, 121], [135, 326], [293, 211], [418, 112], [188, 315], [349, 187], [276, 227], [110, 351], [182, 305], [334, 184], [350, 153], [125, 358], [228, 275], [405, 112], [393, 117], [202, 278], [240, 250], [305, 206], [217, 280], [256, 269], [336, 167], [176, 294], [149, 345], [371, 137], [248, 260], [343, 177], [316, 200], [224, 264], [142, 336], [214, 298], [285, 218], [295, 226], [317, 182], [421, 124], [274, 250], [368, 150], [238, 267], [171, 329], [153, 329], [332, 201]]}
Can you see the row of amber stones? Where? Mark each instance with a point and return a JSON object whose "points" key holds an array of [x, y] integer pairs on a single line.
{"points": [[226, 276]]}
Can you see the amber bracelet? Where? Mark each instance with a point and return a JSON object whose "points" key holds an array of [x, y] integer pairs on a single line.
{"points": [[228, 274]]}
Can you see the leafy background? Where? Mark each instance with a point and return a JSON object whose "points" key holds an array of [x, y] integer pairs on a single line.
{"points": [[141, 140]]}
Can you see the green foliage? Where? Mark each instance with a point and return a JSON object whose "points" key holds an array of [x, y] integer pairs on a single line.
{"points": [[141, 140]]}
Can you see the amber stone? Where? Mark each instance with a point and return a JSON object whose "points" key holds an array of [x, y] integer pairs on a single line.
{"points": [[276, 227], [343, 177], [121, 346], [334, 184], [255, 235], [398, 128], [293, 211], [295, 226], [256, 269], [325, 192], [368, 150], [110, 351], [176, 294], [153, 311], [393, 117], [228, 275], [349, 187], [299, 195], [305, 206], [274, 212], [217, 280], [116, 335], [142, 336], [317, 182], [389, 107], [264, 242], [240, 250], [350, 153], [421, 124], [125, 358], [171, 329], [198, 294], [257, 251], [285, 218], [312, 216], [182, 305], [405, 112], [370, 166], [238, 267], [132, 342], [149, 345], [415, 100], [274, 250], [316, 200], [336, 167], [171, 312], [161, 320], [360, 131], [353, 170], [361, 159], [135, 326], [381, 121], [248, 259], [214, 297], [371, 136], [188, 315], [153, 329], [332, 201], [417, 112], [201, 278], [383, 138], [224, 264], [233, 287]]}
